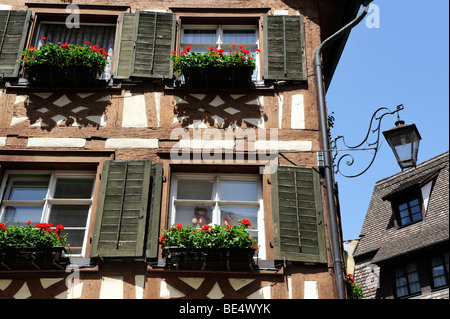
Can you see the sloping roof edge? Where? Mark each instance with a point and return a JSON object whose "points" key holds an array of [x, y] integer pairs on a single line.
{"points": [[337, 48]]}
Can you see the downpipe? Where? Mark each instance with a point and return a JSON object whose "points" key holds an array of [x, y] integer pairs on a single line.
{"points": [[335, 241]]}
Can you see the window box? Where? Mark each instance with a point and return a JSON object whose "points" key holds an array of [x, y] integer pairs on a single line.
{"points": [[216, 77], [210, 258], [78, 76], [12, 258]]}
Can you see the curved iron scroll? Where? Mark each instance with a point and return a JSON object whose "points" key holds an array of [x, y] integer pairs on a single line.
{"points": [[370, 146]]}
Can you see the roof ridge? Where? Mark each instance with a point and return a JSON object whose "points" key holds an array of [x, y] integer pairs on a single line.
{"points": [[418, 167]]}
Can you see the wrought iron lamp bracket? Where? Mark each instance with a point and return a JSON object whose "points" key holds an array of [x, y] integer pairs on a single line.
{"points": [[369, 146]]}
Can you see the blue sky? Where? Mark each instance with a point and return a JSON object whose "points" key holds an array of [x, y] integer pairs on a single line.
{"points": [[404, 61]]}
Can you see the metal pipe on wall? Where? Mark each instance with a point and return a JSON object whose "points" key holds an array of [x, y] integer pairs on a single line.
{"points": [[335, 241]]}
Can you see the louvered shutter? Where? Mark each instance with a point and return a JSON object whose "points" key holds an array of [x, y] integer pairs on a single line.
{"points": [[13, 33], [153, 219], [146, 41], [124, 46], [298, 216], [284, 48], [154, 43], [123, 209]]}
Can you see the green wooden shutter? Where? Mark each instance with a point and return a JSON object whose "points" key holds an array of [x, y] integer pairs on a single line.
{"points": [[145, 43], [153, 220], [284, 48], [154, 43], [13, 33], [124, 46], [298, 216], [121, 217]]}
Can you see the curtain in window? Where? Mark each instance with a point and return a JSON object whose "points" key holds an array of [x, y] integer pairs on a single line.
{"points": [[438, 271], [400, 282], [239, 37], [413, 278], [101, 35], [407, 279], [200, 36]]}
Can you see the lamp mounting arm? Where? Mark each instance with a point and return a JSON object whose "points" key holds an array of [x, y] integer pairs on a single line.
{"points": [[374, 128]]}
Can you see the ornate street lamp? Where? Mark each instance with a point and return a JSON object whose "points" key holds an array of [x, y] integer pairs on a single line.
{"points": [[404, 141]]}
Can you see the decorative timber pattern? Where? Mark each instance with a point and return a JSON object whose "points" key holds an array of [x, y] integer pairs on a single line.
{"points": [[36, 288], [115, 287], [214, 288], [220, 111], [48, 110]]}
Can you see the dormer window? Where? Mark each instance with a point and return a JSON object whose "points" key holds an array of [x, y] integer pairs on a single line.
{"points": [[408, 209], [410, 203]]}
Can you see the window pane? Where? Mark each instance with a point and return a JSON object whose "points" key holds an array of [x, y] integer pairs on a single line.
{"points": [[75, 237], [193, 216], [401, 282], [199, 36], [74, 188], [414, 287], [402, 207], [239, 37], [438, 270], [414, 202], [415, 209], [22, 214], [439, 281], [404, 213], [69, 215], [195, 189], [402, 291], [405, 221], [28, 190], [413, 277], [239, 190], [416, 217], [230, 215]]}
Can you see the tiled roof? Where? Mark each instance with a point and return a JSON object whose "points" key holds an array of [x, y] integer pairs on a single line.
{"points": [[379, 233]]}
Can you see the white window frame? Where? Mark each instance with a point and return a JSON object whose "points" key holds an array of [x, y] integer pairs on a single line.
{"points": [[48, 201], [217, 202], [219, 43]]}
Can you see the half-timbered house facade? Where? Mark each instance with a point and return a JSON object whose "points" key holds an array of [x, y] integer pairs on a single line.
{"points": [[119, 161]]}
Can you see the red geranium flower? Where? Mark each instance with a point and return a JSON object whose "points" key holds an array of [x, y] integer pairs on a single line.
{"points": [[206, 227], [246, 222], [179, 226]]}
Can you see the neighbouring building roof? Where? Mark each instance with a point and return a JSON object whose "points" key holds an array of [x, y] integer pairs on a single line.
{"points": [[380, 236]]}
